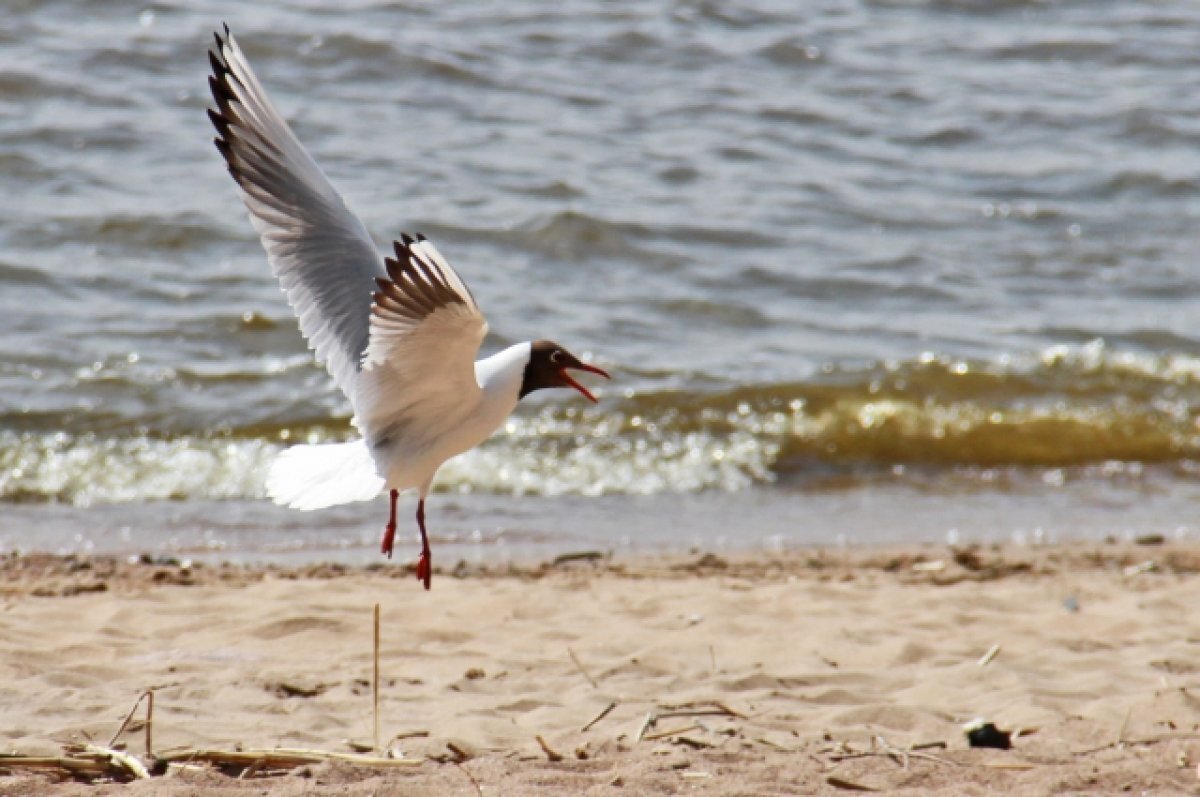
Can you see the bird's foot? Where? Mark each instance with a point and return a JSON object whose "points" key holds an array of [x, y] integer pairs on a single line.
{"points": [[389, 535], [425, 568]]}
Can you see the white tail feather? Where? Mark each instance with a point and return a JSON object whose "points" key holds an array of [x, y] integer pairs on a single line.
{"points": [[314, 477]]}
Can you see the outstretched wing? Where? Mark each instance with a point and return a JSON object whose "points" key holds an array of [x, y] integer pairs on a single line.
{"points": [[419, 366], [319, 250]]}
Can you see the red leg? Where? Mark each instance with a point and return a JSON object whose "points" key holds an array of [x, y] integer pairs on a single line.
{"points": [[389, 533], [425, 563]]}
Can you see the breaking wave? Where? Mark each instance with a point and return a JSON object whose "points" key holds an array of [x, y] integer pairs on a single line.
{"points": [[1084, 408]]}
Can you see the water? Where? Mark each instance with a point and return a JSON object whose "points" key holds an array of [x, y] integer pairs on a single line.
{"points": [[862, 271]]}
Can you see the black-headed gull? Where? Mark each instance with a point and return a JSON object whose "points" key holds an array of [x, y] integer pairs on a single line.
{"points": [[399, 334]]}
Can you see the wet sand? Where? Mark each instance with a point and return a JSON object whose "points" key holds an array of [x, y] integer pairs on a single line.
{"points": [[822, 671]]}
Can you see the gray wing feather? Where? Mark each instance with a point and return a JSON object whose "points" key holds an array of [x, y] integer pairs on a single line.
{"points": [[320, 251]]}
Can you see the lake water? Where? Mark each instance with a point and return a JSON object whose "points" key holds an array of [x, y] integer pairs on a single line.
{"points": [[862, 271]]}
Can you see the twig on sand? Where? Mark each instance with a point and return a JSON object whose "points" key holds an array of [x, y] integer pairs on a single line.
{"points": [[125, 722], [282, 758], [579, 666], [550, 752], [604, 713], [901, 755], [986, 658], [375, 681], [1119, 740], [891, 751], [421, 734], [249, 771], [650, 737], [475, 783], [847, 785], [88, 761], [769, 742], [461, 753], [95, 761], [694, 743], [119, 759], [1149, 740], [699, 708], [75, 765], [647, 721], [150, 724]]}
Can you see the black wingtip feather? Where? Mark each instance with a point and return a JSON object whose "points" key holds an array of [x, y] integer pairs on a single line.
{"points": [[223, 147], [421, 237], [219, 122], [218, 66], [416, 287]]}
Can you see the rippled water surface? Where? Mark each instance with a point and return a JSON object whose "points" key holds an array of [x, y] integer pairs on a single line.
{"points": [[929, 267]]}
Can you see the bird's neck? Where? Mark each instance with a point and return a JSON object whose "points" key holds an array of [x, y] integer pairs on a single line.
{"points": [[500, 375]]}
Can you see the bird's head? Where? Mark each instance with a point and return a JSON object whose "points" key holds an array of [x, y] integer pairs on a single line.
{"points": [[548, 366]]}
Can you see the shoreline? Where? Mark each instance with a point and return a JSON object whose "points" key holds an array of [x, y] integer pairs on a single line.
{"points": [[938, 564], [767, 674], [484, 529]]}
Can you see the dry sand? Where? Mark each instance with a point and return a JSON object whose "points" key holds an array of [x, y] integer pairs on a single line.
{"points": [[830, 664]]}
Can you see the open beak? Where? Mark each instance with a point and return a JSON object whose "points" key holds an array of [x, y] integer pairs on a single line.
{"points": [[566, 377]]}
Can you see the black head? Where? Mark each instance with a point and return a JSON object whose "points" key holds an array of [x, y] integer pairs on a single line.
{"points": [[548, 364]]}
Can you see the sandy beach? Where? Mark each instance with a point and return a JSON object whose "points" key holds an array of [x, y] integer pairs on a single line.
{"points": [[818, 672]]}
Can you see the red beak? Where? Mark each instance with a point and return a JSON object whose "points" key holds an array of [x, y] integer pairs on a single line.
{"points": [[562, 372]]}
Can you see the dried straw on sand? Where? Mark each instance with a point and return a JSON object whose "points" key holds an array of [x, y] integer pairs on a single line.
{"points": [[816, 672]]}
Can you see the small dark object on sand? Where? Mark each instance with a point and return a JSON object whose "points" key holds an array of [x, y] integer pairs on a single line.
{"points": [[985, 734]]}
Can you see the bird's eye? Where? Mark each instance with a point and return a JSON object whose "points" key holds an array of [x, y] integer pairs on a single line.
{"points": [[555, 356]]}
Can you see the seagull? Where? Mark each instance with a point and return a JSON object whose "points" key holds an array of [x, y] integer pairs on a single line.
{"points": [[398, 334]]}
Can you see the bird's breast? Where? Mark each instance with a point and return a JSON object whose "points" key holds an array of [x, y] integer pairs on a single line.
{"points": [[408, 457]]}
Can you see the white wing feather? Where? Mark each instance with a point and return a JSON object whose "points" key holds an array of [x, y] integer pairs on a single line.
{"points": [[320, 251]]}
